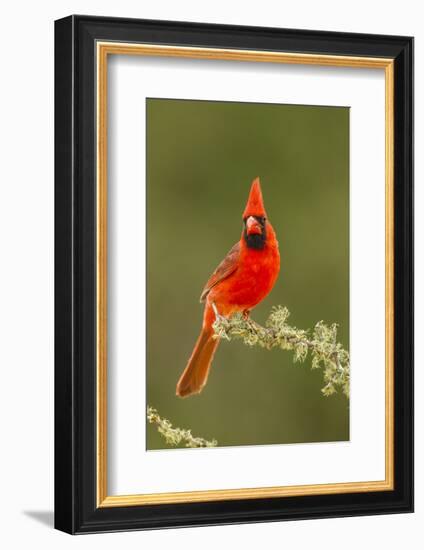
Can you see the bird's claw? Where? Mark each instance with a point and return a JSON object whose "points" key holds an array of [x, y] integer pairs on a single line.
{"points": [[248, 320]]}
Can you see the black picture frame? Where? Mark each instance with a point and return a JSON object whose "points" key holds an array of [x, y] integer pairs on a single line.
{"points": [[76, 510]]}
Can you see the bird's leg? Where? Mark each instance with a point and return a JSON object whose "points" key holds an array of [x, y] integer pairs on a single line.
{"points": [[246, 317], [218, 317], [246, 314]]}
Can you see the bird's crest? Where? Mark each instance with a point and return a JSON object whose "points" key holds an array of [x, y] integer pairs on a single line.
{"points": [[255, 204]]}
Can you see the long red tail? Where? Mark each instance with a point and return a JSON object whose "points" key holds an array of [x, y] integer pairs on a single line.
{"points": [[195, 375]]}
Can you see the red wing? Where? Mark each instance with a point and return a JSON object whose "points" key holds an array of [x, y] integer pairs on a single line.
{"points": [[228, 265]]}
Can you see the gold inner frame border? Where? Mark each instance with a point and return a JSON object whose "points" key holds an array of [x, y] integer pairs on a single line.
{"points": [[103, 50]]}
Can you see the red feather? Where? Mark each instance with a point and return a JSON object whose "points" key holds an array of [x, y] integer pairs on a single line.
{"points": [[240, 282]]}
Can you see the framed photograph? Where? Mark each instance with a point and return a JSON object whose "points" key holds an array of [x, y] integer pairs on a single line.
{"points": [[267, 173]]}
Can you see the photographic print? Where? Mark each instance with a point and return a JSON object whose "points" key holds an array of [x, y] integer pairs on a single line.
{"points": [[248, 214], [233, 236]]}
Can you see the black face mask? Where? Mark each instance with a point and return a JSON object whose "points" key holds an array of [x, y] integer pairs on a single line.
{"points": [[256, 241]]}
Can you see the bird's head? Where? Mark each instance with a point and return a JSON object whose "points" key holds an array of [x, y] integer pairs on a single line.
{"points": [[254, 218]]}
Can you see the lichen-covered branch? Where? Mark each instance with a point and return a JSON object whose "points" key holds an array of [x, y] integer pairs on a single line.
{"points": [[176, 436], [322, 343]]}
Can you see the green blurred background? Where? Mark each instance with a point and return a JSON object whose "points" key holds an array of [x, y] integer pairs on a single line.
{"points": [[201, 159]]}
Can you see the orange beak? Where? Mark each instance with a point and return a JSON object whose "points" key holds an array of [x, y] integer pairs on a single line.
{"points": [[255, 204], [253, 227]]}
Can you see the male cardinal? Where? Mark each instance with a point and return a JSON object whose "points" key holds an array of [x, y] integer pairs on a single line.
{"points": [[242, 280]]}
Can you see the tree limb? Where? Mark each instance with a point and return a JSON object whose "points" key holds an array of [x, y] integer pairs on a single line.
{"points": [[176, 436], [322, 344]]}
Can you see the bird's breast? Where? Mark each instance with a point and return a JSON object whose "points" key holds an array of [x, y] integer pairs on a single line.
{"points": [[250, 283]]}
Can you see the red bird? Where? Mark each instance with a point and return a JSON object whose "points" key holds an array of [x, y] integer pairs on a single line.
{"points": [[242, 280]]}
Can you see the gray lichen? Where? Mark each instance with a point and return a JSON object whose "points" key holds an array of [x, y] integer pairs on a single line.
{"points": [[321, 344], [176, 436]]}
